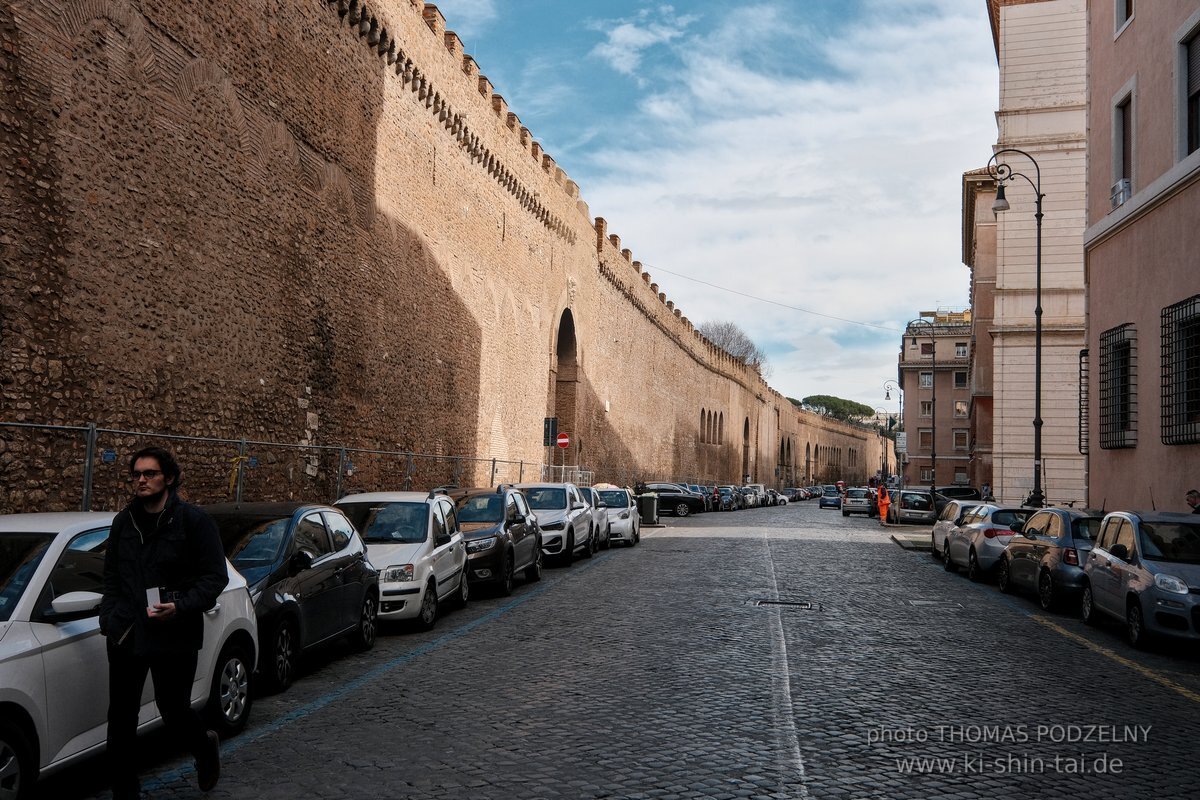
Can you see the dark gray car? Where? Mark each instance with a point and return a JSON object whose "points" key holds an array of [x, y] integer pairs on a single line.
{"points": [[1047, 554]]}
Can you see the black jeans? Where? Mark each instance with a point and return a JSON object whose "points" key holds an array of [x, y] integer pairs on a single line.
{"points": [[172, 676]]}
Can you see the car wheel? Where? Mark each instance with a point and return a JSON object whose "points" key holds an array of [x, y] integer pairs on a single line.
{"points": [[463, 593], [974, 572], [1087, 608], [590, 547], [1046, 596], [18, 770], [505, 584], [368, 624], [533, 573], [933, 551], [568, 553], [682, 509], [949, 565], [607, 539], [636, 536], [284, 648], [845, 513], [427, 614], [228, 706], [1004, 576], [1135, 624]]}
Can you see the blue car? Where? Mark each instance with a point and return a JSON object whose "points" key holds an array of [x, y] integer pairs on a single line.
{"points": [[830, 497]]}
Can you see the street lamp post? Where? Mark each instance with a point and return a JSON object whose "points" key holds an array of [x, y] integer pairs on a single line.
{"points": [[882, 430], [933, 396], [1002, 172], [888, 386]]}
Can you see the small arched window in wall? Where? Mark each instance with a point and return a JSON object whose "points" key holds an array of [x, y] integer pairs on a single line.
{"points": [[703, 425], [721, 427]]}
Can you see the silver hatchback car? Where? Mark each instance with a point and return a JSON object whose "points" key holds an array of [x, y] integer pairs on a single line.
{"points": [[1145, 570]]}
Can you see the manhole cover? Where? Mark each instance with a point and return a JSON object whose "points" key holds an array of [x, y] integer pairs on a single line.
{"points": [[934, 604], [802, 605]]}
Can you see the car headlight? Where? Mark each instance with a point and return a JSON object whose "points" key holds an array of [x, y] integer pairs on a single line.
{"points": [[1169, 583], [623, 515], [399, 574], [554, 526], [479, 545]]}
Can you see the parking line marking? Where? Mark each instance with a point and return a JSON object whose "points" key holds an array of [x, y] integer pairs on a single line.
{"points": [[245, 738], [1112, 655], [1145, 671]]}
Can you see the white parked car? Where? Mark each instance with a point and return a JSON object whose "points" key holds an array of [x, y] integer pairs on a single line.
{"points": [[980, 538], [565, 520], [53, 663], [415, 542], [595, 503], [949, 520], [623, 523]]}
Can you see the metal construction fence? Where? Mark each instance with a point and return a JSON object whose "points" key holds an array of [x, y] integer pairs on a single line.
{"points": [[47, 467]]}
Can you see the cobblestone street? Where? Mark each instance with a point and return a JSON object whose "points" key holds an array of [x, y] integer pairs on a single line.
{"points": [[654, 672]]}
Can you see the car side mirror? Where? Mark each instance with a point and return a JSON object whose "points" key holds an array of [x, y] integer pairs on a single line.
{"points": [[1119, 551], [441, 540], [577, 506], [300, 561], [72, 606], [1019, 527]]}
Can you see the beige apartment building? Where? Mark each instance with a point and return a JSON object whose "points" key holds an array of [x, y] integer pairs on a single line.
{"points": [[1142, 243], [933, 374], [979, 254], [1041, 46]]}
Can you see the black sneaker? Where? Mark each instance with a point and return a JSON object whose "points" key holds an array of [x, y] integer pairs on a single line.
{"points": [[208, 762]]}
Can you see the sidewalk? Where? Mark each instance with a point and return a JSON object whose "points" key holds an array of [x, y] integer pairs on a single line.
{"points": [[911, 537]]}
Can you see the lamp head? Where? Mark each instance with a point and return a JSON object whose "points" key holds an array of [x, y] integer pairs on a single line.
{"points": [[1001, 203]]}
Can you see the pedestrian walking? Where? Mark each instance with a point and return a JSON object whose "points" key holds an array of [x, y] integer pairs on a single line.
{"points": [[985, 493], [1193, 500], [885, 502], [163, 568]]}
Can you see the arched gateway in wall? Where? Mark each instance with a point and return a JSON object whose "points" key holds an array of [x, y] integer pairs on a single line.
{"points": [[564, 379]]}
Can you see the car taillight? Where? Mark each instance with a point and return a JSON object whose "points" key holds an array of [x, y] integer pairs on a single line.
{"points": [[992, 533], [1070, 556]]}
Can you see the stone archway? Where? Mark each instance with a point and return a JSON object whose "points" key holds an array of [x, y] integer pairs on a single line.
{"points": [[746, 450], [564, 379]]}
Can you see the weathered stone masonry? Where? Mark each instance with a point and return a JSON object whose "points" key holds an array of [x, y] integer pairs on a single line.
{"points": [[310, 221]]}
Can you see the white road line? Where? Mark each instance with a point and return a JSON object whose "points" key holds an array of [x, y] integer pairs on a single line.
{"points": [[781, 680]]}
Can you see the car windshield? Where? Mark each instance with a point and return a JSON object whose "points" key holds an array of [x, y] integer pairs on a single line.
{"points": [[915, 501], [548, 498], [389, 523], [725, 491], [1086, 529], [253, 544], [615, 498], [831, 491], [481, 508], [856, 493], [20, 554], [1178, 542]]}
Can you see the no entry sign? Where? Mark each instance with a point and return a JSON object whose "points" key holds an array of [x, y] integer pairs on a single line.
{"points": [[563, 440]]}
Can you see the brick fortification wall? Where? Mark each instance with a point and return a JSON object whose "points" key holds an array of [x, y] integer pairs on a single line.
{"points": [[313, 222]]}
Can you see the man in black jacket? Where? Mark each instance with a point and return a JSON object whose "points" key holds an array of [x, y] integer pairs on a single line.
{"points": [[163, 568]]}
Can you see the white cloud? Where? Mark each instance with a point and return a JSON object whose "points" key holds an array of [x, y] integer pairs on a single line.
{"points": [[628, 39], [837, 192], [468, 17]]}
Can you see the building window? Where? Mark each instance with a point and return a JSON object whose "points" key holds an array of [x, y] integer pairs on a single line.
{"points": [[926, 349], [1124, 10], [926, 380], [1084, 419], [925, 439], [960, 380], [1192, 61], [960, 349], [926, 474], [960, 409], [1122, 188], [960, 438], [1181, 372], [1118, 387], [960, 477], [926, 408]]}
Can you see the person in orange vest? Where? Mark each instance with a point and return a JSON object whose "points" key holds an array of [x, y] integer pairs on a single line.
{"points": [[885, 501]]}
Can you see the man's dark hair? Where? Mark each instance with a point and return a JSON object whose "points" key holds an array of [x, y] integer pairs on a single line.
{"points": [[166, 462]]}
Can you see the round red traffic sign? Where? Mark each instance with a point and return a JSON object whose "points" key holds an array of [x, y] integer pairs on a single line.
{"points": [[563, 440]]}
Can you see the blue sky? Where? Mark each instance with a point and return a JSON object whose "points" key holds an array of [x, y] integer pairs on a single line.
{"points": [[808, 152]]}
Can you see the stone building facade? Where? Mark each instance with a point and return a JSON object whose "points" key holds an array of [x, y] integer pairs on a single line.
{"points": [[317, 223]]}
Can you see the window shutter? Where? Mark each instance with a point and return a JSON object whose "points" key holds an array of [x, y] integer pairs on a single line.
{"points": [[1193, 67]]}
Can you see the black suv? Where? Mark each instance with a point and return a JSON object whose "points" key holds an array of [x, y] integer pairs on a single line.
{"points": [[944, 494], [502, 536]]}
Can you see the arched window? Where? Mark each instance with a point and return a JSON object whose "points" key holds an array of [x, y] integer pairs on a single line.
{"points": [[703, 425]]}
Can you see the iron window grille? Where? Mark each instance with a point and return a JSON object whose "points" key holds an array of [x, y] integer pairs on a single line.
{"points": [[1118, 387], [1181, 372], [1084, 397]]}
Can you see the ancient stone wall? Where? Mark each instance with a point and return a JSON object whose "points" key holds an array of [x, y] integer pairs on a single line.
{"points": [[310, 222]]}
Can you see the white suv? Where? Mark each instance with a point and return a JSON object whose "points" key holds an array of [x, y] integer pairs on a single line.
{"points": [[565, 519], [414, 540], [53, 664]]}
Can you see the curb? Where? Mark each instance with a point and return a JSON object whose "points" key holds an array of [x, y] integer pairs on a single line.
{"points": [[913, 544]]}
